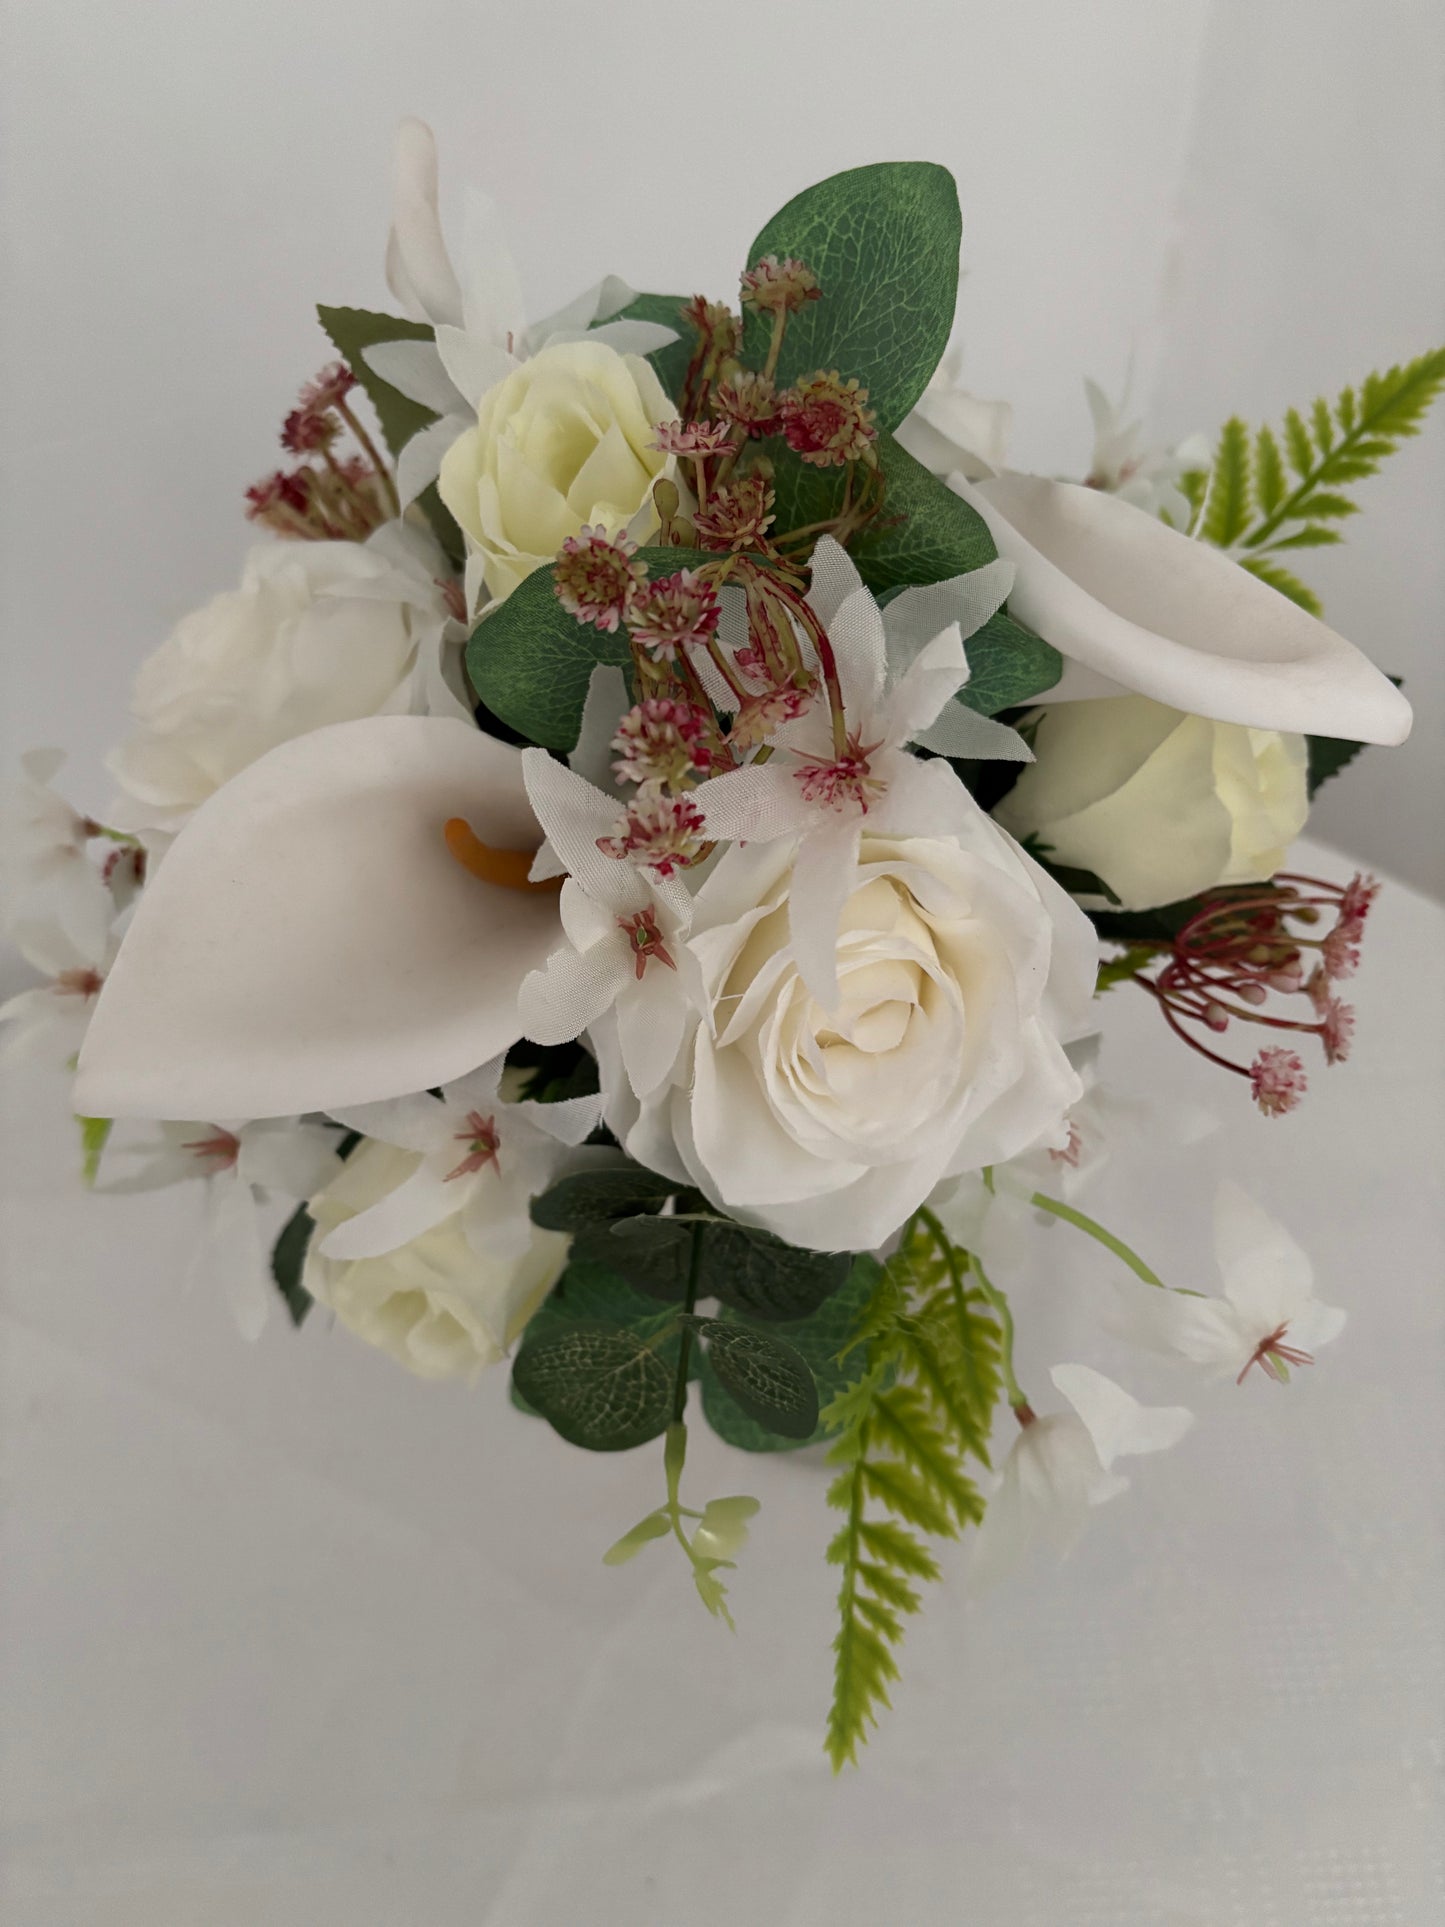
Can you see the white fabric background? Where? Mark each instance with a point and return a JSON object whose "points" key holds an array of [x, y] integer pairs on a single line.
{"points": [[294, 1640], [289, 1638]]}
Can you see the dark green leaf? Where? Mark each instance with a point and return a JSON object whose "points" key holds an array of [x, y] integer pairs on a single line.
{"points": [[352, 330], [819, 1339], [288, 1259], [769, 1380], [1008, 665], [591, 1199], [884, 243], [669, 363], [530, 661], [599, 1386], [748, 1269]]}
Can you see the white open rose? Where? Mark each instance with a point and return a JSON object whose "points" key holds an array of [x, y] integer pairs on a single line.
{"points": [[961, 970], [317, 632], [438, 1304], [564, 442], [1158, 804]]}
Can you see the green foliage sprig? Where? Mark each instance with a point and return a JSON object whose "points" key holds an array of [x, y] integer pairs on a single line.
{"points": [[1266, 494], [907, 1428]]}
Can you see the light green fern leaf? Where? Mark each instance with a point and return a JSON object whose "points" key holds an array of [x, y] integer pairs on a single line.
{"points": [[905, 1431], [1227, 504], [1280, 578]]}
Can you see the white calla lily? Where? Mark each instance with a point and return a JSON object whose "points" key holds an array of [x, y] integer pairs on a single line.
{"points": [[311, 942], [482, 334], [1135, 606]]}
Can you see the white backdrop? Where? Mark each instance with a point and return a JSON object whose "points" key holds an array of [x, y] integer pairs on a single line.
{"points": [[1245, 199]]}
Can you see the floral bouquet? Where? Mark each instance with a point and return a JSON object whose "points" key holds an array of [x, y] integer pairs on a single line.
{"points": [[636, 863]]}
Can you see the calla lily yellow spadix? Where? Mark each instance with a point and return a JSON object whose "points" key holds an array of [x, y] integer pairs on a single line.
{"points": [[311, 942]]}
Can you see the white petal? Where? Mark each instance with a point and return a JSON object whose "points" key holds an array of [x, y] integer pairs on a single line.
{"points": [[915, 617], [419, 1202], [754, 805], [473, 364], [1115, 1420], [1144, 608], [823, 877], [560, 1001], [419, 463], [288, 1157], [418, 268], [604, 708], [416, 1122], [414, 369], [960, 731], [309, 941], [231, 1257], [633, 337], [492, 290], [835, 577]]}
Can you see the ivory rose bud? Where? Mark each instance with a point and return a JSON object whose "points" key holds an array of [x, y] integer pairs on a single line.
{"points": [[563, 442], [1158, 804], [961, 971], [437, 1305]]}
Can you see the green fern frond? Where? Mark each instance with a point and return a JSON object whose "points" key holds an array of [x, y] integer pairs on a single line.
{"points": [[1226, 507], [904, 1432], [1328, 448], [1281, 579]]}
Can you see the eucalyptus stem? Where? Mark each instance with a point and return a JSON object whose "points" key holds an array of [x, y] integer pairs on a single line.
{"points": [[684, 1343]]}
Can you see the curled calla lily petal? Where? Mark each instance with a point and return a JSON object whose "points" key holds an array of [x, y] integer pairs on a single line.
{"points": [[309, 942], [1137, 606]]}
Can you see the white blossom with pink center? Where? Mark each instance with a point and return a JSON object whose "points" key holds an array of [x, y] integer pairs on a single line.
{"points": [[626, 958], [244, 1167], [897, 675], [46, 874], [481, 1156], [1061, 1466], [1268, 1316]]}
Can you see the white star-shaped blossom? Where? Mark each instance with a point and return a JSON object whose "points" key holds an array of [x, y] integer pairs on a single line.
{"points": [[480, 1156], [898, 672], [46, 875], [626, 930], [243, 1166], [51, 1019], [1268, 1315], [478, 314], [1061, 1466]]}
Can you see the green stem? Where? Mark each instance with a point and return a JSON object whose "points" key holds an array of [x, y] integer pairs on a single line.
{"points": [[684, 1343], [1096, 1231]]}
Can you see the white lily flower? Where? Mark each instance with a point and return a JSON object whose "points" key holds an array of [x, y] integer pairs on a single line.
{"points": [[1269, 1315], [481, 329], [626, 931], [51, 1020], [243, 1167], [311, 941], [1122, 465], [46, 874], [898, 672], [1136, 606], [1061, 1466], [481, 1157]]}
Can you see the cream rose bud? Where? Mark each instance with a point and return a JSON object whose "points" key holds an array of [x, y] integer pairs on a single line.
{"points": [[317, 633], [961, 969], [438, 1307], [563, 442], [1159, 805]]}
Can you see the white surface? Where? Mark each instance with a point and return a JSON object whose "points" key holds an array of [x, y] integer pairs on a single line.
{"points": [[1248, 196], [292, 1638]]}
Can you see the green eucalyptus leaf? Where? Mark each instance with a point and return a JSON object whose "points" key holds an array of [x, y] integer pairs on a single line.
{"points": [[599, 1386], [819, 1339], [593, 1199], [288, 1259], [883, 241], [655, 1526], [530, 661], [757, 1273], [1008, 665], [669, 363], [769, 1380]]}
